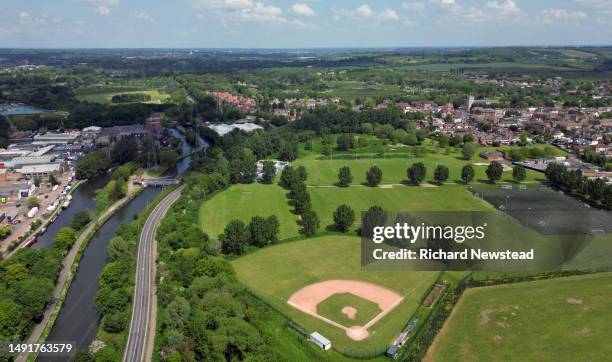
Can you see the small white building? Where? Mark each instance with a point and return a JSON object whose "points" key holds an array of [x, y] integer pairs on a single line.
{"points": [[320, 341]]}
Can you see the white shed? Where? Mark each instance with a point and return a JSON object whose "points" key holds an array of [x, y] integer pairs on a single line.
{"points": [[320, 341]]}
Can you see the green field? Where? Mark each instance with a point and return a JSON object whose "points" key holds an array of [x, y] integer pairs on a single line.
{"points": [[399, 198], [242, 202], [332, 308], [355, 89], [157, 97], [325, 171], [276, 272], [564, 319]]}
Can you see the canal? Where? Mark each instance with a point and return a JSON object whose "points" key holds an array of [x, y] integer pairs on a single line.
{"points": [[78, 320]]}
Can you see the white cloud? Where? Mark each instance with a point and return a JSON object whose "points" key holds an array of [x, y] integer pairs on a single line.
{"points": [[229, 11], [551, 15], [388, 14], [302, 9], [365, 11], [141, 15], [410, 23], [23, 15], [418, 7], [103, 10], [443, 2], [507, 7]]}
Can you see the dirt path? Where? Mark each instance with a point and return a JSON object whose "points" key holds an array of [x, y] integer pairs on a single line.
{"points": [[67, 269]]}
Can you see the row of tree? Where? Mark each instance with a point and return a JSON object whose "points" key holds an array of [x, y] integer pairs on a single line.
{"points": [[595, 190], [299, 198]]}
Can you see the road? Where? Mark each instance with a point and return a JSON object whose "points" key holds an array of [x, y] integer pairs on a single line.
{"points": [[142, 324]]}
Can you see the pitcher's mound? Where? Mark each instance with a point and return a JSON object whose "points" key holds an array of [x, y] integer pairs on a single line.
{"points": [[357, 333], [350, 312]]}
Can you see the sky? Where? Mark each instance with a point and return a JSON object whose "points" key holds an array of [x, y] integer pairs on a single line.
{"points": [[302, 23]]}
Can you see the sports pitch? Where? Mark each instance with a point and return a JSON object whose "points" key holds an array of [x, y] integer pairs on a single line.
{"points": [[278, 275], [564, 319]]}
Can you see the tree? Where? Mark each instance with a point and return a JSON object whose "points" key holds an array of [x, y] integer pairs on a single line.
{"points": [[124, 150], [37, 181], [117, 248], [65, 238], [168, 158], [441, 174], [80, 219], [288, 151], [116, 190], [10, 320], [467, 174], [519, 173], [92, 164], [443, 141], [234, 237], [468, 150], [344, 217], [301, 173], [468, 138], [344, 176], [416, 173], [242, 165], [374, 176], [375, 216], [289, 178], [310, 222], [264, 231], [33, 201], [300, 198], [345, 142], [494, 171], [53, 178], [269, 172]]}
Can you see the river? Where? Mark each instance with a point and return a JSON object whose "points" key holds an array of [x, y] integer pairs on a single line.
{"points": [[78, 320]]}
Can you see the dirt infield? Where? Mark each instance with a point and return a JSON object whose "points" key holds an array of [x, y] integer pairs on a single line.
{"points": [[307, 299]]}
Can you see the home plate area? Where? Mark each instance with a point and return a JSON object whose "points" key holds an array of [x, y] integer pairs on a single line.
{"points": [[351, 305]]}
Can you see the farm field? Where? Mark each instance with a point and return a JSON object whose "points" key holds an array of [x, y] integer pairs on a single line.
{"points": [[157, 97], [276, 273], [242, 202], [550, 320]]}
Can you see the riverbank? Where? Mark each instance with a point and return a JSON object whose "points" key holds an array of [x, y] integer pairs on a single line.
{"points": [[69, 267]]}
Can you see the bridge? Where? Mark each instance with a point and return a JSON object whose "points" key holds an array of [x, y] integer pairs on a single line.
{"points": [[159, 181]]}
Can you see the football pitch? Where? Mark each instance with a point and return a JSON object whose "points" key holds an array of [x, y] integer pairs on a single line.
{"points": [[563, 319]]}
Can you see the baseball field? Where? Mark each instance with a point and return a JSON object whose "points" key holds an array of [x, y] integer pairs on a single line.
{"points": [[563, 319], [319, 284]]}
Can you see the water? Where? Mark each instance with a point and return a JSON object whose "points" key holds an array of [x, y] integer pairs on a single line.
{"points": [[20, 109], [78, 320], [82, 199]]}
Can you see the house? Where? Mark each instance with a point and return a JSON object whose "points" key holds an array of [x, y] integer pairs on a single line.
{"points": [[493, 156], [320, 341]]}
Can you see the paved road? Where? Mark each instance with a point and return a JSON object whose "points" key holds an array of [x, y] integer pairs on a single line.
{"points": [[136, 349]]}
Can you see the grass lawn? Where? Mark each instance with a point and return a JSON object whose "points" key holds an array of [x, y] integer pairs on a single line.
{"points": [[350, 89], [564, 319], [325, 172], [157, 97], [242, 202], [332, 308], [276, 272], [399, 198]]}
